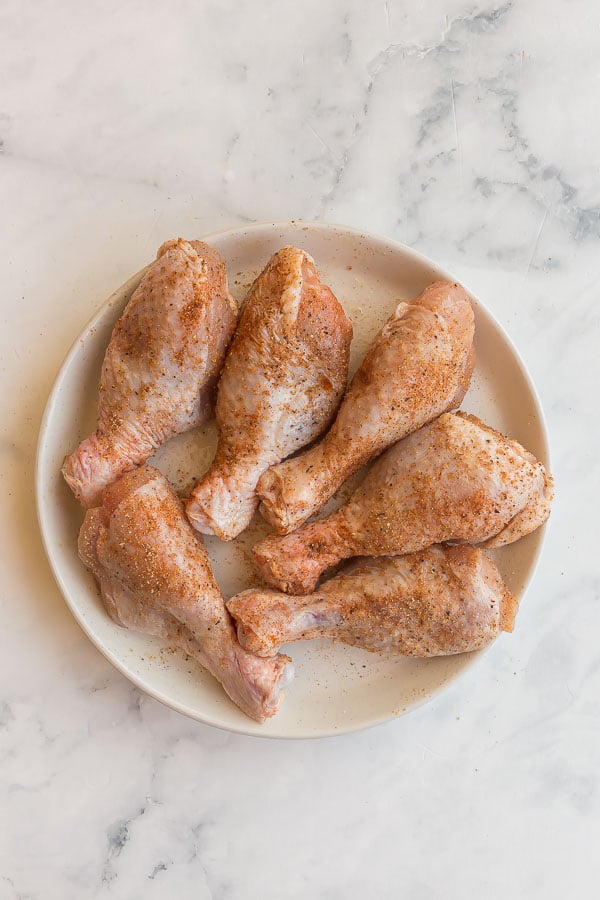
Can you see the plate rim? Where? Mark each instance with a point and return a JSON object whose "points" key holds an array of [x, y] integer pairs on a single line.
{"points": [[253, 728]]}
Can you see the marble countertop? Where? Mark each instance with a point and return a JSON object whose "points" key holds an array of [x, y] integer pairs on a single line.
{"points": [[470, 131]]}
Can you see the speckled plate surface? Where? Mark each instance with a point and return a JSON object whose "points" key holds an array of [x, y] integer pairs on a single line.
{"points": [[337, 689]]}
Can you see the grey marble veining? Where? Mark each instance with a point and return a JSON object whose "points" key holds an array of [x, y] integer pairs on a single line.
{"points": [[468, 130]]}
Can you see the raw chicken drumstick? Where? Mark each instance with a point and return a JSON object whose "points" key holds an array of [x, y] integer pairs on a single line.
{"points": [[440, 601], [155, 576], [282, 382], [161, 365], [419, 366], [454, 480]]}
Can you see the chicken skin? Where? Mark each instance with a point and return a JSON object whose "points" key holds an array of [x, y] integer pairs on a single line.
{"points": [[155, 577], [441, 601], [282, 381], [456, 480], [161, 365], [419, 366]]}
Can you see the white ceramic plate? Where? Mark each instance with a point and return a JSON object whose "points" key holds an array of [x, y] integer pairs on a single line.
{"points": [[337, 688]]}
